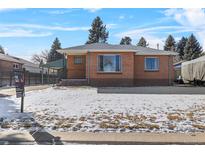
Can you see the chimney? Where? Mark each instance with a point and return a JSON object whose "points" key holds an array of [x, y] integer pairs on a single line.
{"points": [[158, 46]]}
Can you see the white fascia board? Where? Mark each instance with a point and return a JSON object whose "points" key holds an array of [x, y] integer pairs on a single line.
{"points": [[93, 50], [165, 54]]}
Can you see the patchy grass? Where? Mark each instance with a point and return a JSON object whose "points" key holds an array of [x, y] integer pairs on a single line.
{"points": [[199, 126], [175, 116]]}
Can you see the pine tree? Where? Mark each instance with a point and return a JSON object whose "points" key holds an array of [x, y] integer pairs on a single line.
{"points": [[126, 41], [54, 55], [2, 50], [192, 49], [142, 42], [170, 44], [98, 33], [180, 47]]}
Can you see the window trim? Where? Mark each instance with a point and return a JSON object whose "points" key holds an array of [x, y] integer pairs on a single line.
{"points": [[15, 66], [78, 63], [115, 72], [151, 70]]}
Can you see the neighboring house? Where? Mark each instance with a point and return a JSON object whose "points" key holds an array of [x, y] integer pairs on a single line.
{"points": [[102, 64], [33, 73], [8, 63], [31, 67], [7, 66]]}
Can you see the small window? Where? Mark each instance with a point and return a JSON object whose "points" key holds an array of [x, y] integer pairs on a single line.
{"points": [[78, 60], [151, 64], [109, 63], [15, 66]]}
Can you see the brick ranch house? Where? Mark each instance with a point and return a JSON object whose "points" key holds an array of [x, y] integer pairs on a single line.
{"points": [[102, 64]]}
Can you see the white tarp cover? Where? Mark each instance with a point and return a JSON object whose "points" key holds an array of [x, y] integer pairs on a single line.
{"points": [[194, 69]]}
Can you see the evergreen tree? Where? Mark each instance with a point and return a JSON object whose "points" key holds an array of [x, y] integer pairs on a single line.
{"points": [[2, 50], [192, 48], [142, 42], [53, 54], [180, 47], [126, 41], [170, 44], [98, 33]]}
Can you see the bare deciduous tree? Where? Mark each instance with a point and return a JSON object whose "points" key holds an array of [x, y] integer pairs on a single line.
{"points": [[43, 56], [36, 58]]}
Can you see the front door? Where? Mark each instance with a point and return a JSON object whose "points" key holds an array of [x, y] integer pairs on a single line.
{"points": [[76, 66]]}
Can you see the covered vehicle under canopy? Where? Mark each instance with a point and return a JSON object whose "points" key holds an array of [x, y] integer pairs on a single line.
{"points": [[193, 70]]}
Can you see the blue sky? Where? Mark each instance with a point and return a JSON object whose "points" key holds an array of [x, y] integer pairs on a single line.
{"points": [[24, 32]]}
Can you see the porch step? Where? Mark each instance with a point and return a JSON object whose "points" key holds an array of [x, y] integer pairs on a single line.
{"points": [[73, 82]]}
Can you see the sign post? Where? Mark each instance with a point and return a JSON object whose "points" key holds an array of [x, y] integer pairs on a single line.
{"points": [[19, 77]]}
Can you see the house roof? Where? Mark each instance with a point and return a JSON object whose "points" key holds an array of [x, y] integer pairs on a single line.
{"points": [[57, 64], [105, 47], [29, 66], [9, 58]]}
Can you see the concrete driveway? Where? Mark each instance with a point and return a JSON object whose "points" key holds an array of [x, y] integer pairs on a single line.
{"points": [[154, 90]]}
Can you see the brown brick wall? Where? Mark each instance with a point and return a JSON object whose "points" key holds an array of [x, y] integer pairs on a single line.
{"points": [[133, 72], [111, 79], [75, 71], [160, 77]]}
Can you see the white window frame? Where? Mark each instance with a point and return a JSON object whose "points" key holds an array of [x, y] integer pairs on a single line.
{"points": [[98, 70], [79, 60], [145, 62]]}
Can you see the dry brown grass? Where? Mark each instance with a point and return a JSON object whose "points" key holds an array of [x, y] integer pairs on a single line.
{"points": [[190, 115], [175, 116], [199, 126], [171, 127], [82, 118]]}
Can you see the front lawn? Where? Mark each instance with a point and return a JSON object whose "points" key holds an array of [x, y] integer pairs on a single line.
{"points": [[83, 109]]}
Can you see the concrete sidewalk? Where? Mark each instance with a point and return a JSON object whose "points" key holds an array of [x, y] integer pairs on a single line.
{"points": [[16, 137], [12, 91], [100, 138], [130, 138]]}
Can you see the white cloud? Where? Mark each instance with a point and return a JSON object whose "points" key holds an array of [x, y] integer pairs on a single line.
{"points": [[23, 33], [47, 27], [10, 9], [150, 34], [111, 26], [125, 17], [189, 20], [59, 11], [146, 33], [193, 18], [92, 10], [121, 17], [34, 30]]}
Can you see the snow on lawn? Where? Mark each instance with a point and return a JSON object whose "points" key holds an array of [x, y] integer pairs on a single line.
{"points": [[83, 109]]}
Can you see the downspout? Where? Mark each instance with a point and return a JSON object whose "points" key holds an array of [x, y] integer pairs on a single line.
{"points": [[88, 77], [169, 69]]}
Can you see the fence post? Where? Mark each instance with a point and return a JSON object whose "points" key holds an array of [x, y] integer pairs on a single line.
{"points": [[10, 78], [29, 82]]}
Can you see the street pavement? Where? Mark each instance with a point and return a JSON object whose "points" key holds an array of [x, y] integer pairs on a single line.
{"points": [[60, 138]]}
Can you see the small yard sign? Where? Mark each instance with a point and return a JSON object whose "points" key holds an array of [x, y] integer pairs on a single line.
{"points": [[19, 83]]}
